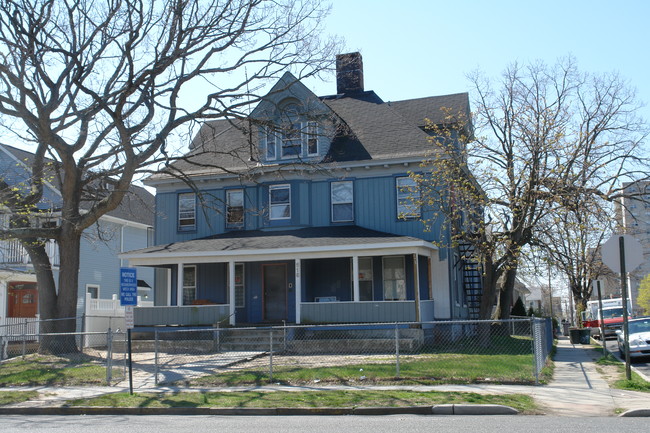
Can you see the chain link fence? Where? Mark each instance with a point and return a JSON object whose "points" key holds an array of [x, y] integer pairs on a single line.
{"points": [[513, 351], [104, 353]]}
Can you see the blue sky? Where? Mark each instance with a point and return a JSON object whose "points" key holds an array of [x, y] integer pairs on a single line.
{"points": [[415, 48]]}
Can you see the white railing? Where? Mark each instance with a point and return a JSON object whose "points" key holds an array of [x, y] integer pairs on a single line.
{"points": [[109, 307], [19, 326], [12, 252]]}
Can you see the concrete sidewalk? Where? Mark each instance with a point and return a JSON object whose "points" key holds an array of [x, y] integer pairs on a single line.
{"points": [[577, 389]]}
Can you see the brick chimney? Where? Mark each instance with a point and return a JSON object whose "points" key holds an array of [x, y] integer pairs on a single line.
{"points": [[349, 73]]}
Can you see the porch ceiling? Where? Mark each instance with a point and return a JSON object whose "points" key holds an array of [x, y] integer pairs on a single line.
{"points": [[258, 245]]}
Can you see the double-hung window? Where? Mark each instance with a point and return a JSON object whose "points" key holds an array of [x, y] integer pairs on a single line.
{"points": [[189, 284], [187, 211], [292, 140], [269, 138], [279, 202], [342, 194], [394, 278], [312, 138], [234, 208], [408, 198]]}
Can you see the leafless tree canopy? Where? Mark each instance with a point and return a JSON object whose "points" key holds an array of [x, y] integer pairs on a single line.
{"points": [[546, 138], [101, 86]]}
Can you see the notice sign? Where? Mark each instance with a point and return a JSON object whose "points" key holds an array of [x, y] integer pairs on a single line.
{"points": [[128, 286]]}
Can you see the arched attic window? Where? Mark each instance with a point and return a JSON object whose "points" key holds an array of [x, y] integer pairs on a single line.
{"points": [[293, 134]]}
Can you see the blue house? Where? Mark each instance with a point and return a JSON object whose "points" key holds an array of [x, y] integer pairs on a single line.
{"points": [[305, 213], [128, 227]]}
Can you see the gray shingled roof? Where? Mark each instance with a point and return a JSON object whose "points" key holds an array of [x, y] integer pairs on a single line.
{"points": [[370, 130], [311, 237], [432, 108], [138, 204]]}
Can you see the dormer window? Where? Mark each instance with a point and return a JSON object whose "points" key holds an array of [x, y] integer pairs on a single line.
{"points": [[291, 140], [312, 138], [270, 144]]}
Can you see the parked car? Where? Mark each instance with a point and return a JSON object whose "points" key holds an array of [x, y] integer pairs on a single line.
{"points": [[639, 340]]}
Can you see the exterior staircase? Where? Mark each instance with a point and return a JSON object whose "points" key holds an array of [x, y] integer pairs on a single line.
{"points": [[472, 283]]}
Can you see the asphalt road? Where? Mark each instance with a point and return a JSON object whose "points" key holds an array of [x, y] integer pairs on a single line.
{"points": [[320, 424]]}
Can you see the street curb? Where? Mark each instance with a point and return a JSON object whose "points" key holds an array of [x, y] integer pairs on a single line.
{"points": [[445, 409], [473, 409], [636, 413]]}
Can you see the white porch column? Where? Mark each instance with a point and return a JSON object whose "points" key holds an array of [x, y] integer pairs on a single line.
{"points": [[231, 291], [168, 274], [416, 282], [298, 289], [355, 278], [179, 284]]}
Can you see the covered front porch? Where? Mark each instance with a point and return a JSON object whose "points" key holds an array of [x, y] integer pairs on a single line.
{"points": [[324, 275]]}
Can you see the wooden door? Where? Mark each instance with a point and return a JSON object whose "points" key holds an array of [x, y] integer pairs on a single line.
{"points": [[23, 299], [275, 292]]}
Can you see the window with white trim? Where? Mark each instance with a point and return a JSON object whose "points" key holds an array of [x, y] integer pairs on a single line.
{"points": [[240, 299], [93, 290], [342, 196], [235, 208], [269, 139], [292, 139], [408, 198], [279, 202], [189, 284], [365, 279], [394, 278], [312, 138], [187, 211]]}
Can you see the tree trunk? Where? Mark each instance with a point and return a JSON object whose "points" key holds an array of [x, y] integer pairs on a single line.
{"points": [[505, 296], [47, 295], [53, 304]]}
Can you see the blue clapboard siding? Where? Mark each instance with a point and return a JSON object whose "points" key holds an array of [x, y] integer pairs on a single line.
{"points": [[198, 315], [357, 312], [375, 207]]}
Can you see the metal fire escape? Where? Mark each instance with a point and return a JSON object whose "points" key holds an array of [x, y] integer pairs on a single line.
{"points": [[472, 283]]}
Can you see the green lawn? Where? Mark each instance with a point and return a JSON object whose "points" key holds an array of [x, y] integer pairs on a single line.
{"points": [[50, 370], [9, 397], [422, 369], [309, 399]]}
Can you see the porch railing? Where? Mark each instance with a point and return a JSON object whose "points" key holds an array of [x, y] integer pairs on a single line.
{"points": [[11, 326], [357, 312], [187, 315], [12, 252]]}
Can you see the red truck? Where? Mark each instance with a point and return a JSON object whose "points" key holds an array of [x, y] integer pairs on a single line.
{"points": [[612, 317]]}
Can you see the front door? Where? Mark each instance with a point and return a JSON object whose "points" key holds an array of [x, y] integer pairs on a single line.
{"points": [[23, 299], [275, 292]]}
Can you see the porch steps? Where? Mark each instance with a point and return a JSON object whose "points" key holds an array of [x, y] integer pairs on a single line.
{"points": [[472, 282], [233, 340]]}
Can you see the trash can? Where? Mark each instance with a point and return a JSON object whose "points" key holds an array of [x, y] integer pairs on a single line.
{"points": [[580, 335], [565, 328]]}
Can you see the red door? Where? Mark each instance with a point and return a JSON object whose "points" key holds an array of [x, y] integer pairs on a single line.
{"points": [[23, 299]]}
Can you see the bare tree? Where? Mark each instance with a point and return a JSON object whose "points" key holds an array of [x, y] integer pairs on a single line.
{"points": [[570, 241], [545, 136], [101, 86]]}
